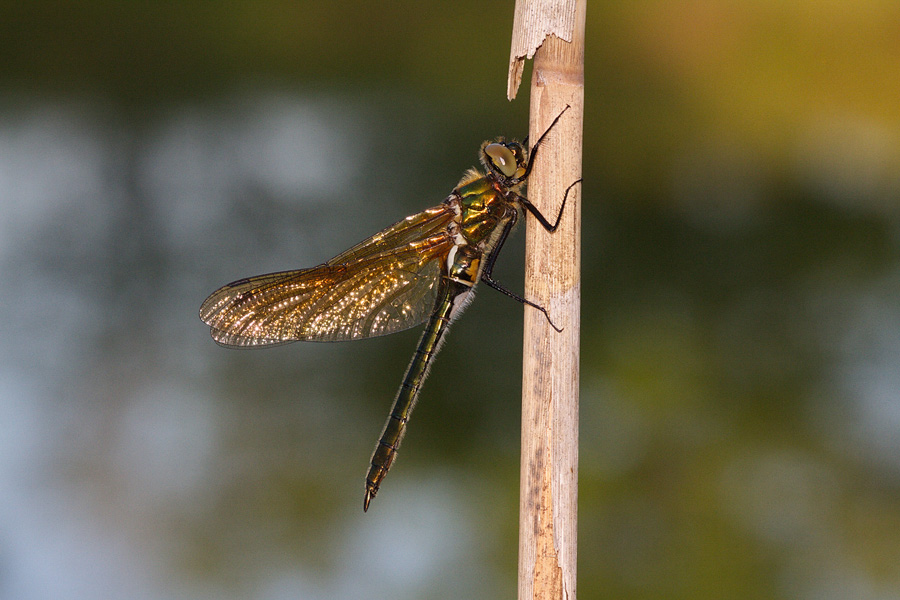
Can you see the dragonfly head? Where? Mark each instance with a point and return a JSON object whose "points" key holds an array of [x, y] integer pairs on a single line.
{"points": [[506, 160]]}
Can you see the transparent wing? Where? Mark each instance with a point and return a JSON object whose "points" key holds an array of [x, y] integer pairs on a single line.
{"points": [[375, 289], [414, 227]]}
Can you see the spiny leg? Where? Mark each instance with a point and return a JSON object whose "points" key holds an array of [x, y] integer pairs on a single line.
{"points": [[486, 275], [541, 218], [537, 144], [489, 268]]}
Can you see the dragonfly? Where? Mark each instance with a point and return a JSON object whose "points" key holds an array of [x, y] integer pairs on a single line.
{"points": [[422, 269]]}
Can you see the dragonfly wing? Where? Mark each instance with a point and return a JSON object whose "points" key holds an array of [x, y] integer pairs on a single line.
{"points": [[376, 294], [419, 226]]}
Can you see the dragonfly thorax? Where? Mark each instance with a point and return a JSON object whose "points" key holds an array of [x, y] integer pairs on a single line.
{"points": [[464, 265], [482, 209]]}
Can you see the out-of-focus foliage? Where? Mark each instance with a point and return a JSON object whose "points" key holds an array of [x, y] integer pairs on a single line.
{"points": [[741, 342]]}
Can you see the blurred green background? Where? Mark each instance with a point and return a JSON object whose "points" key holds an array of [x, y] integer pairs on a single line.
{"points": [[740, 406]]}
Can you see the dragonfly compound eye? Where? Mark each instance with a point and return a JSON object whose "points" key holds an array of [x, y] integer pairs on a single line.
{"points": [[502, 158]]}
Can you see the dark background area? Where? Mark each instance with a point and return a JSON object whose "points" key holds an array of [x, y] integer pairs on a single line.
{"points": [[740, 423]]}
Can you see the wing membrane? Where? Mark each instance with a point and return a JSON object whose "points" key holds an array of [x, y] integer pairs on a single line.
{"points": [[373, 289], [414, 227]]}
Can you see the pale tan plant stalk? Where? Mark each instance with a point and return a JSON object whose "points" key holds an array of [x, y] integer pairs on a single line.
{"points": [[553, 32]]}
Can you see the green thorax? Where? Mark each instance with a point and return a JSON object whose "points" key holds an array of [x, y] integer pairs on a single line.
{"points": [[485, 206]]}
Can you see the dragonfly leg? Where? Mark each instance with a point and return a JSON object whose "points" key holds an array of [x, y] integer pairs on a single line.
{"points": [[486, 274], [487, 279], [537, 145], [541, 218]]}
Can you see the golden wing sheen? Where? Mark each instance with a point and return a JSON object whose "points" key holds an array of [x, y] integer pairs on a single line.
{"points": [[385, 284]]}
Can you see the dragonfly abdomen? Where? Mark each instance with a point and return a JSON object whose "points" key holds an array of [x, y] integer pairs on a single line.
{"points": [[453, 294]]}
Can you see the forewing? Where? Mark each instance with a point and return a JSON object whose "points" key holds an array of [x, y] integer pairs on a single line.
{"points": [[374, 293], [419, 226]]}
